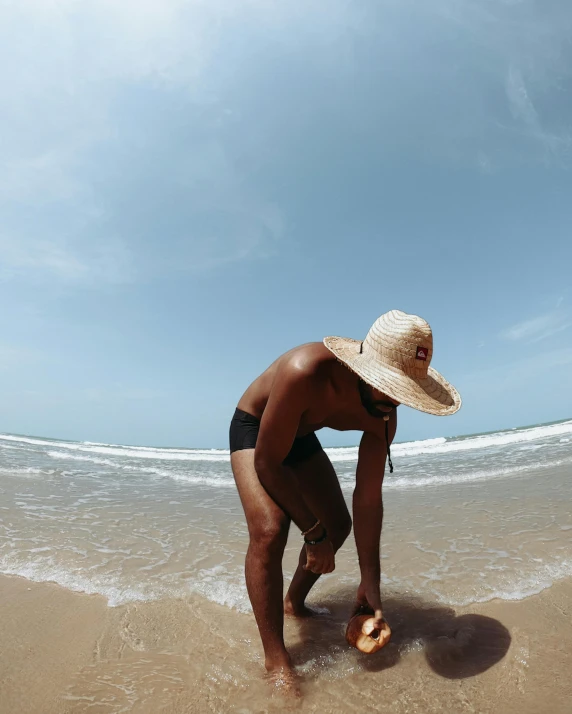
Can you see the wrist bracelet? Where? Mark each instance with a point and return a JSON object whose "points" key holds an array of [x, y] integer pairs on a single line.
{"points": [[305, 533], [321, 539]]}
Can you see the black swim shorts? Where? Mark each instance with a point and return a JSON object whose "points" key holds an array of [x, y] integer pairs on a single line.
{"points": [[244, 430]]}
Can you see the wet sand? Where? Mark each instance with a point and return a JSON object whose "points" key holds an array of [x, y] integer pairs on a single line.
{"points": [[66, 653]]}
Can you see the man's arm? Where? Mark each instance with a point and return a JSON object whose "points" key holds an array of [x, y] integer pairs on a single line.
{"points": [[278, 427], [368, 512], [288, 400]]}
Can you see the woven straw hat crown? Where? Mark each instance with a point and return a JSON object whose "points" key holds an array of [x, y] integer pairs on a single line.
{"points": [[395, 358], [397, 339]]}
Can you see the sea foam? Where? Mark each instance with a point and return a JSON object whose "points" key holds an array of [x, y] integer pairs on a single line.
{"points": [[439, 445]]}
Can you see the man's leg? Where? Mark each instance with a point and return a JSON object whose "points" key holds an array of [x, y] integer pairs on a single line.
{"points": [[320, 488], [268, 529]]}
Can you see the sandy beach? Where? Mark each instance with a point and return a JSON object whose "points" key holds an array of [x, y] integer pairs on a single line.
{"points": [[66, 653]]}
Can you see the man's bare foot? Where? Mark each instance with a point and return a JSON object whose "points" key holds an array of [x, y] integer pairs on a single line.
{"points": [[284, 681], [292, 610]]}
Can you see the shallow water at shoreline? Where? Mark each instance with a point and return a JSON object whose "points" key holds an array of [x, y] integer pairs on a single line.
{"points": [[466, 520]]}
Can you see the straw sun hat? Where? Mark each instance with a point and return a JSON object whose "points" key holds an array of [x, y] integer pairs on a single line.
{"points": [[394, 358]]}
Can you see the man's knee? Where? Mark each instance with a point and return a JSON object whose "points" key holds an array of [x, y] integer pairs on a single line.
{"points": [[269, 534], [340, 529]]}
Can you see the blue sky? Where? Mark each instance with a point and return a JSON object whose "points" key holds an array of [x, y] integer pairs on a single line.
{"points": [[190, 188]]}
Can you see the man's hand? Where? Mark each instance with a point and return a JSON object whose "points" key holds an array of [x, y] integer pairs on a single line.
{"points": [[368, 601], [320, 558]]}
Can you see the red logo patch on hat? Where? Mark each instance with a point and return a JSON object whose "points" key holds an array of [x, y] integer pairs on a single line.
{"points": [[422, 353]]}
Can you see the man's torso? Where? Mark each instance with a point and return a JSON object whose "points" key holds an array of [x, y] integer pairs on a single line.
{"points": [[329, 404]]}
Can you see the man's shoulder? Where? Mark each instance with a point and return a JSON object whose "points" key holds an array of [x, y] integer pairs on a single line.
{"points": [[307, 360], [302, 371]]}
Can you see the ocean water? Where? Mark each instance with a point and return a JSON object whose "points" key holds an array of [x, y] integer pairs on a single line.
{"points": [[467, 519]]}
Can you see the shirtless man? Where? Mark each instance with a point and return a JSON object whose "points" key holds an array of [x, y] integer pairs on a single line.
{"points": [[283, 474]]}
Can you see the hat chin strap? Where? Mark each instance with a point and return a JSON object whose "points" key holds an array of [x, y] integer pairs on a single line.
{"points": [[372, 411], [388, 449]]}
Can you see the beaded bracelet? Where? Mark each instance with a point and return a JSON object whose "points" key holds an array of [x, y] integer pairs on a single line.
{"points": [[305, 533]]}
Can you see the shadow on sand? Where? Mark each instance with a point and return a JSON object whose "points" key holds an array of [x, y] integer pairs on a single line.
{"points": [[455, 647]]}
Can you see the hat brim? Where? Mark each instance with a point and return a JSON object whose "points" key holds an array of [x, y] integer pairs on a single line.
{"points": [[432, 394]]}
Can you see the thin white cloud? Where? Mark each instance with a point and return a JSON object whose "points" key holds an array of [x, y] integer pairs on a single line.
{"points": [[14, 355], [520, 103], [63, 65], [113, 394], [519, 372], [525, 114], [539, 328], [44, 259], [38, 179], [485, 163], [120, 393], [512, 44], [59, 87]]}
